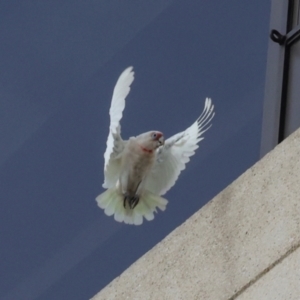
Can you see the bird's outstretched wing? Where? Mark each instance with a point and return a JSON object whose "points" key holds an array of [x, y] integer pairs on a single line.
{"points": [[173, 156], [115, 144]]}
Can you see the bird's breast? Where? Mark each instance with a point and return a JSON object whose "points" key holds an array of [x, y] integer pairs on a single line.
{"points": [[136, 162]]}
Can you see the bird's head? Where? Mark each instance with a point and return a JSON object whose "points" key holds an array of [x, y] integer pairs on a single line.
{"points": [[157, 138], [151, 140]]}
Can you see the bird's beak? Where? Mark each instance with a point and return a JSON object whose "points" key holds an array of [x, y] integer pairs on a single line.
{"points": [[161, 140]]}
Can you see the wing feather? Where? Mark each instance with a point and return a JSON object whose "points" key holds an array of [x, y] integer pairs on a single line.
{"points": [[115, 144], [173, 156]]}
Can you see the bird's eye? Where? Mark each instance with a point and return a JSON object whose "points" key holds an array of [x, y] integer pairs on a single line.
{"points": [[154, 135]]}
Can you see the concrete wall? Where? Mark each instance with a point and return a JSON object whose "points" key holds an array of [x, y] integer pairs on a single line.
{"points": [[244, 244]]}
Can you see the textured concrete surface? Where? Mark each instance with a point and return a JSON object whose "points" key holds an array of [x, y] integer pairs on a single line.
{"points": [[231, 245], [281, 283]]}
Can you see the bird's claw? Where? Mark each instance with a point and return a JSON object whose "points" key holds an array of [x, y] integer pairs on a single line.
{"points": [[132, 201]]}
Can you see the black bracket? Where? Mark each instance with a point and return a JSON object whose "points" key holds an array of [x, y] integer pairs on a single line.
{"points": [[277, 37]]}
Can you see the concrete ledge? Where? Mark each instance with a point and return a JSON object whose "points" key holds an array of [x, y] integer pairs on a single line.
{"points": [[232, 245], [282, 282]]}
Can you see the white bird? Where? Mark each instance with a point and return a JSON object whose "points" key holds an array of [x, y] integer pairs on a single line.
{"points": [[140, 170]]}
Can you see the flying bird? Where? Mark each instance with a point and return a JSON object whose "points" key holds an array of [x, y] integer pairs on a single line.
{"points": [[138, 171]]}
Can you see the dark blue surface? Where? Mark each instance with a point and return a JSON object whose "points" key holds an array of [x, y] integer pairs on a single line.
{"points": [[59, 62]]}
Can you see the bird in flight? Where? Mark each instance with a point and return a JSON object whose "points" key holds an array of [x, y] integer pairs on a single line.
{"points": [[138, 171]]}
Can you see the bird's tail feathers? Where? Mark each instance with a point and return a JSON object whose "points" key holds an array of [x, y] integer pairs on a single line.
{"points": [[112, 203]]}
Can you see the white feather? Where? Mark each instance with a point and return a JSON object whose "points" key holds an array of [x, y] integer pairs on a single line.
{"points": [[112, 203], [115, 144], [173, 156]]}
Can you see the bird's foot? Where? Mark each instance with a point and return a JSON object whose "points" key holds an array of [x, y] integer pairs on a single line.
{"points": [[132, 201]]}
